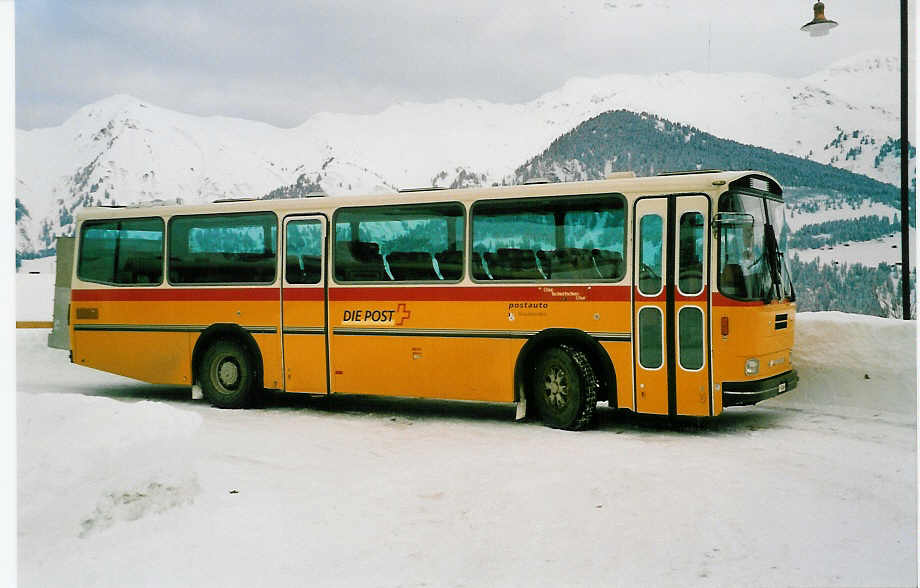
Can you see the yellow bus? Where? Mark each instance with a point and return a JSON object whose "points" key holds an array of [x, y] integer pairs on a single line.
{"points": [[663, 295]]}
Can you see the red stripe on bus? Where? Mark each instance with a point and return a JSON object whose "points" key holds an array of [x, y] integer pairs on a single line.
{"points": [[397, 293], [174, 294], [721, 300], [483, 293], [678, 297], [701, 297], [312, 294]]}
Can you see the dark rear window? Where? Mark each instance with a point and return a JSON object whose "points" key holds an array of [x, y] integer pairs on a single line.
{"points": [[121, 251]]}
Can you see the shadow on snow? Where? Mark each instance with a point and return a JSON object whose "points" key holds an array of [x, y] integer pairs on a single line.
{"points": [[608, 420]]}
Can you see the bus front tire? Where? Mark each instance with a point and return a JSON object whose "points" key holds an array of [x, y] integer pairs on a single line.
{"points": [[565, 388], [226, 375]]}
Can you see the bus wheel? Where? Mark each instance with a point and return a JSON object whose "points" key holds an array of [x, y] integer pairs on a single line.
{"points": [[226, 375], [565, 389]]}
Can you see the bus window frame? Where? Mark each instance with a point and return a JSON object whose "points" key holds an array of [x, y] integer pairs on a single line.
{"points": [[613, 195], [333, 240], [703, 253], [273, 282], [718, 236], [79, 251]]}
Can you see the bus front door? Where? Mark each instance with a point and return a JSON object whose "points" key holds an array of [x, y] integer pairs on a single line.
{"points": [[303, 305], [671, 305]]}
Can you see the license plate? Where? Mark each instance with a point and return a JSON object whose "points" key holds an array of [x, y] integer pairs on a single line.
{"points": [[782, 387]]}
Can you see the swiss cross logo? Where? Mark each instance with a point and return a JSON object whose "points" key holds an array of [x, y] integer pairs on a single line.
{"points": [[402, 314]]}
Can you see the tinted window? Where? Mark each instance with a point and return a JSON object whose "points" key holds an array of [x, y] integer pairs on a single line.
{"points": [[407, 243], [304, 252], [650, 271], [650, 337], [122, 251], [690, 337], [223, 249], [577, 238], [690, 258]]}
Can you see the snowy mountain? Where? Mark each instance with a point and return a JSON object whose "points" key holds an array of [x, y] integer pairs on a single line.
{"points": [[123, 149]]}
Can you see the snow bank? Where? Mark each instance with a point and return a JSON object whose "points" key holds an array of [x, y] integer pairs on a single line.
{"points": [[86, 463], [854, 361]]}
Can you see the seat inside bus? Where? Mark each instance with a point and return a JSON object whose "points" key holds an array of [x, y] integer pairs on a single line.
{"points": [[513, 264], [450, 264], [359, 261], [141, 270], [303, 269], [569, 262], [411, 265], [609, 264]]}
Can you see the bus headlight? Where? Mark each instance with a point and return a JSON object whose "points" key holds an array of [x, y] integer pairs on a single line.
{"points": [[751, 366]]}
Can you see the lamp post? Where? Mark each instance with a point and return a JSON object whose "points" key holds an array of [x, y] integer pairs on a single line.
{"points": [[905, 175], [820, 26]]}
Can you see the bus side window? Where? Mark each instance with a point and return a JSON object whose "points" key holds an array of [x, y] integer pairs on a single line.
{"points": [[690, 259], [402, 243], [304, 252], [562, 238], [650, 240], [122, 251], [235, 248]]}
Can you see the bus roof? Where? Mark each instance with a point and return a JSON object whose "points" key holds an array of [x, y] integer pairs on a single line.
{"points": [[691, 181]]}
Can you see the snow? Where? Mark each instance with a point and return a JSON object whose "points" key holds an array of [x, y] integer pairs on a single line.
{"points": [[869, 253], [34, 296], [817, 487]]}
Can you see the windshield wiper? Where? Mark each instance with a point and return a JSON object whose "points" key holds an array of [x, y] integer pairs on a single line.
{"points": [[773, 260]]}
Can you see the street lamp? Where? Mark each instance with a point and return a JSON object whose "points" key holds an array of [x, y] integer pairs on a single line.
{"points": [[819, 25]]}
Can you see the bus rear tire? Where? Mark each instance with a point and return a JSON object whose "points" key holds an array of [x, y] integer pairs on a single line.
{"points": [[226, 375], [565, 388]]}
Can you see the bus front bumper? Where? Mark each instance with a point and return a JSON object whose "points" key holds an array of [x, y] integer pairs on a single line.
{"points": [[748, 393]]}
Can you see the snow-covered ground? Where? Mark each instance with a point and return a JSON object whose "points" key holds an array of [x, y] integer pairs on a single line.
{"points": [[126, 484], [885, 249]]}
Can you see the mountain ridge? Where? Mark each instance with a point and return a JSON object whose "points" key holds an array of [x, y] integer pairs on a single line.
{"points": [[124, 149]]}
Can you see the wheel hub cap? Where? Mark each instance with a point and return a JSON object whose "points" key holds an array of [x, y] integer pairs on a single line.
{"points": [[228, 373], [556, 387]]}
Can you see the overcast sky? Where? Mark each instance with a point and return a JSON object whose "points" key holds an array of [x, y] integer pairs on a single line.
{"points": [[282, 61]]}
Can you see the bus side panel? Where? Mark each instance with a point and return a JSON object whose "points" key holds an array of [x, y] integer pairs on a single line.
{"points": [[692, 384], [423, 367], [460, 342], [620, 353], [652, 382], [157, 358], [305, 350], [149, 334], [152, 353]]}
